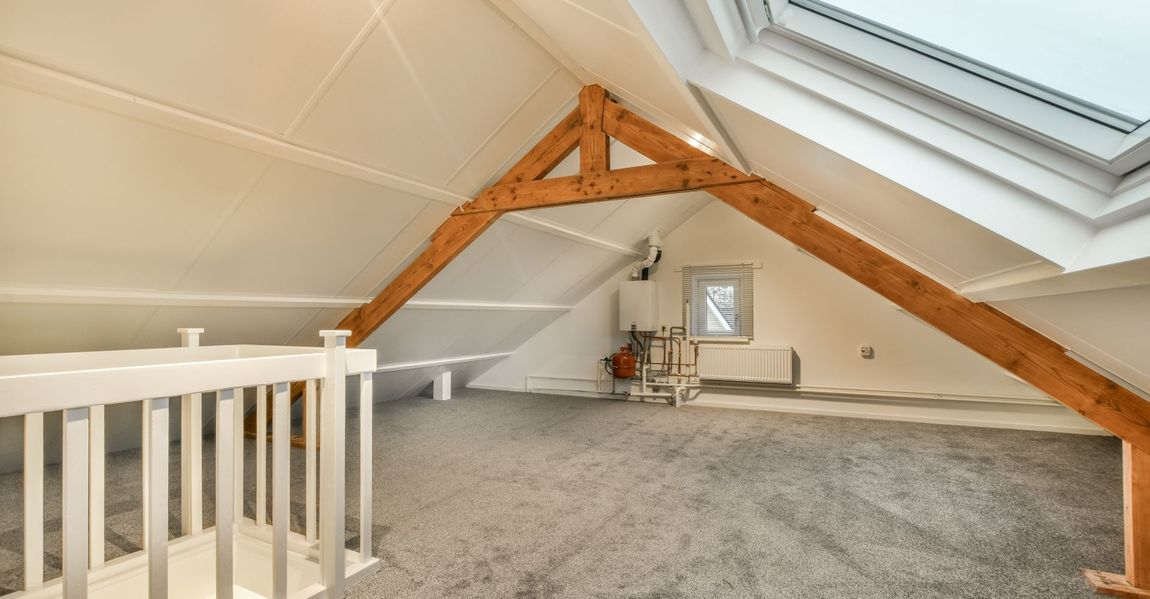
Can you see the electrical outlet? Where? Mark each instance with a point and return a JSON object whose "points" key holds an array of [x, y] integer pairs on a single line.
{"points": [[866, 352]]}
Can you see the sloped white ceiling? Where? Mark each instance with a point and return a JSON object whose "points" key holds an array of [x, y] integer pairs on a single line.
{"points": [[251, 155]]}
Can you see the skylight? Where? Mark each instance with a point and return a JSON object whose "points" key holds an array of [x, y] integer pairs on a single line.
{"points": [[1086, 59]]}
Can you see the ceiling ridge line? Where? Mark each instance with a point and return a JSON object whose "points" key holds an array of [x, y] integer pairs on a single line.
{"points": [[78, 90], [349, 53]]}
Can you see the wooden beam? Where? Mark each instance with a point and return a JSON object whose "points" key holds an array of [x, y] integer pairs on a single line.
{"points": [[594, 150], [1008, 343], [454, 235], [653, 179], [1136, 510]]}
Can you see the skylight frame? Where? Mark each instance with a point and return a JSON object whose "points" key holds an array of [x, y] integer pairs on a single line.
{"points": [[1085, 109], [1099, 145]]}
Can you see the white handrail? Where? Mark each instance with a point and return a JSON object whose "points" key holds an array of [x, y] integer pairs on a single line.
{"points": [[82, 384]]}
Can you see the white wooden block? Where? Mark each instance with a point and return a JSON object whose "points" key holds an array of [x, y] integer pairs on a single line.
{"points": [[74, 510], [225, 496], [33, 500], [238, 456], [441, 386]]}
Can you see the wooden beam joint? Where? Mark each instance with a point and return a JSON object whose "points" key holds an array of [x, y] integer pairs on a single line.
{"points": [[594, 149]]}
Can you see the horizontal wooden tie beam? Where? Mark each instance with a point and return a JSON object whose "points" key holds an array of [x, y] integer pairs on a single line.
{"points": [[666, 177]]}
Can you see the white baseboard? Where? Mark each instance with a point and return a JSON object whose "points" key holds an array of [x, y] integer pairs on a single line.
{"points": [[972, 411]]}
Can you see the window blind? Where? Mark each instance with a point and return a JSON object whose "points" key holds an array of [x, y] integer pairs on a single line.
{"points": [[718, 301]]}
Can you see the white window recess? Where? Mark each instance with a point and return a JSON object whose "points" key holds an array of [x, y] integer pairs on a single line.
{"points": [[238, 557]]}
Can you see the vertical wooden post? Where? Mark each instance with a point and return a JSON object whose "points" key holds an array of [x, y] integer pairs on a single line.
{"points": [[1136, 506], [281, 445], [33, 500], [96, 458], [309, 407], [74, 511], [191, 450], [332, 494], [593, 142], [261, 455], [366, 397], [1136, 511], [225, 497], [156, 490]]}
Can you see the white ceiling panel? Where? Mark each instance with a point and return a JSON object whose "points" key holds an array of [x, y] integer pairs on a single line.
{"points": [[45, 328], [224, 326], [473, 65], [502, 268], [567, 270], [374, 113], [247, 61], [1108, 327], [301, 231], [90, 199], [949, 246], [611, 53]]}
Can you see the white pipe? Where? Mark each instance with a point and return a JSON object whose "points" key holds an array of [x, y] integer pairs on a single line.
{"points": [[654, 244]]}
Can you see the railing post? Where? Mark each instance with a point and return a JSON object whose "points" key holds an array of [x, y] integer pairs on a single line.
{"points": [[33, 500], [365, 463], [309, 432], [331, 540], [191, 450], [156, 491], [225, 496], [74, 509]]}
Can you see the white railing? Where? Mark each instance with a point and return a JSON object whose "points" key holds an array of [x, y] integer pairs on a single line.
{"points": [[244, 557]]}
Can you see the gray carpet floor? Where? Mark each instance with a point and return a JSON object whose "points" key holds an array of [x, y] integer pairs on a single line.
{"points": [[514, 495]]}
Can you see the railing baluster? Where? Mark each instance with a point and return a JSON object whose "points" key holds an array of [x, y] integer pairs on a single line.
{"points": [[33, 500], [191, 450], [365, 463], [145, 460], [225, 497], [332, 559], [156, 482], [261, 454], [238, 457], [191, 464], [74, 509], [309, 433], [96, 451], [281, 444]]}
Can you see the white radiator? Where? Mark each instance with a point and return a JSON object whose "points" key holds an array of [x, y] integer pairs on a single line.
{"points": [[753, 364]]}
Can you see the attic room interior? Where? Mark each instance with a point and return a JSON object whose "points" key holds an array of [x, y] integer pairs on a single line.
{"points": [[574, 298]]}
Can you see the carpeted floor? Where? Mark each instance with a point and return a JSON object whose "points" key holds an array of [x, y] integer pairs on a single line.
{"points": [[513, 495]]}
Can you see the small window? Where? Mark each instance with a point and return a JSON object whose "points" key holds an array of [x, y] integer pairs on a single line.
{"points": [[718, 301]]}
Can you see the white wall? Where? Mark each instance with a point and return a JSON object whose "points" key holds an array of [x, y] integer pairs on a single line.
{"points": [[917, 373]]}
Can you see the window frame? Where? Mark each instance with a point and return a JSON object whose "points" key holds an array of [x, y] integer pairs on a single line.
{"points": [[695, 310], [1091, 142]]}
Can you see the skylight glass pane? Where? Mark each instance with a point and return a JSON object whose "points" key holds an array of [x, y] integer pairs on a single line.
{"points": [[1095, 52]]}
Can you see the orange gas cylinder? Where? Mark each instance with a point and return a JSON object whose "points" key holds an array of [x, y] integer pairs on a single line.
{"points": [[623, 363]]}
